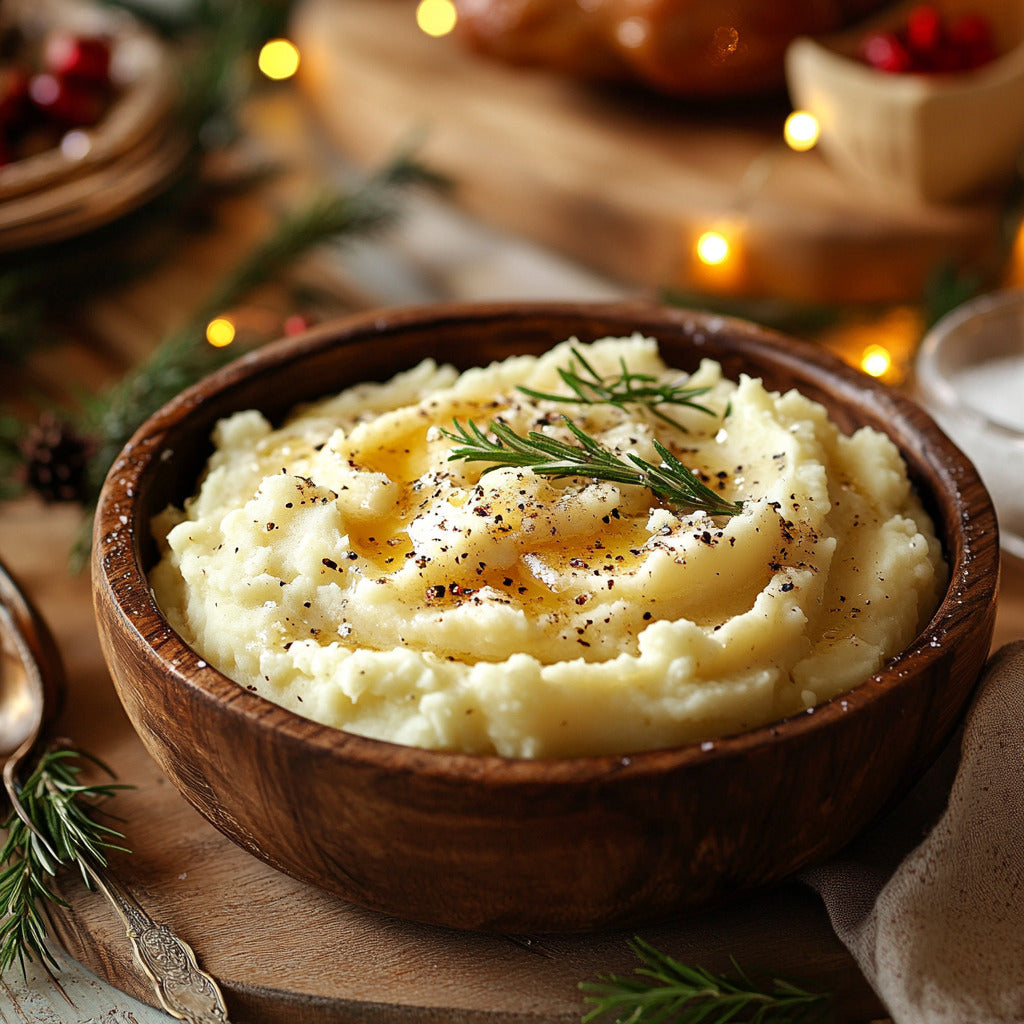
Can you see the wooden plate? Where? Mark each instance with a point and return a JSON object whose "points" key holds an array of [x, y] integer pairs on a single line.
{"points": [[131, 152]]}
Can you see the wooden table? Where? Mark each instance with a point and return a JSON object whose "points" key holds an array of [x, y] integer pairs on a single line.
{"points": [[286, 952]]}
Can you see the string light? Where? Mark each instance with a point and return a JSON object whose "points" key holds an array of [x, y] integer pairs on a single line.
{"points": [[220, 332], [712, 248], [801, 131], [876, 360], [279, 59], [436, 17]]}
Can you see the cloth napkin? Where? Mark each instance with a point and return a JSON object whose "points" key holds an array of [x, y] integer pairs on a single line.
{"points": [[937, 925]]}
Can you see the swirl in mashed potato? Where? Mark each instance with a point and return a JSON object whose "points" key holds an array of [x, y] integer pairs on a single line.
{"points": [[342, 566]]}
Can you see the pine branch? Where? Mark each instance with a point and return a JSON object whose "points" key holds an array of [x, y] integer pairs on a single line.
{"points": [[663, 990], [184, 357], [55, 828], [549, 456]]}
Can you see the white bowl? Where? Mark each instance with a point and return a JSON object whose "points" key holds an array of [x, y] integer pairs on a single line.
{"points": [[925, 138]]}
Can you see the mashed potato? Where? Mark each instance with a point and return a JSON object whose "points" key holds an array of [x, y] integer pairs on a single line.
{"points": [[345, 567]]}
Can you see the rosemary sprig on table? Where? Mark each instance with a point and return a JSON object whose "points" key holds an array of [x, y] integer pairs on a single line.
{"points": [[588, 387], [663, 990], [58, 829], [549, 456]]}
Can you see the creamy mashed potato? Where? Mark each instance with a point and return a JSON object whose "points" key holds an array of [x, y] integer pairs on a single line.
{"points": [[343, 566]]}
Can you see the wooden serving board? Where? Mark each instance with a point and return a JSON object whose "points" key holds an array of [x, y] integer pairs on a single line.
{"points": [[625, 182], [285, 952]]}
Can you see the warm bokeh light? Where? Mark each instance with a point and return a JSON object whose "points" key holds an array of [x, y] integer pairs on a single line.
{"points": [[279, 59], [712, 248], [436, 17], [220, 332], [801, 131], [876, 360]]}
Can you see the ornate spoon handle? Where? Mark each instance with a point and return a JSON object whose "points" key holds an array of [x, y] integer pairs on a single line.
{"points": [[185, 990]]}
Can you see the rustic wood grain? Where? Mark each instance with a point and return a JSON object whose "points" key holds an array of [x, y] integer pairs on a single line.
{"points": [[566, 845], [622, 181]]}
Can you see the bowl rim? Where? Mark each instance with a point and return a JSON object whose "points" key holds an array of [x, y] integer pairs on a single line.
{"points": [[118, 566]]}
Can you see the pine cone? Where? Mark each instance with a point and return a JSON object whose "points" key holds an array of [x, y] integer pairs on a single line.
{"points": [[55, 457]]}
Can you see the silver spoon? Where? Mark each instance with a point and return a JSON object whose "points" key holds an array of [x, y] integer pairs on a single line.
{"points": [[31, 678]]}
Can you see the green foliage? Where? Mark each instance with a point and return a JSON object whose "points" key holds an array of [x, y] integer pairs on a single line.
{"points": [[549, 456], [664, 991], [588, 387], [53, 826]]}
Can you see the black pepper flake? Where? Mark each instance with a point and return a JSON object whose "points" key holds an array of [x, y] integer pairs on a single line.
{"points": [[351, 555], [647, 616], [786, 587], [329, 562]]}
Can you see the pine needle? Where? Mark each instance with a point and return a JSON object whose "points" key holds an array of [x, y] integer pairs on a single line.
{"points": [[663, 990], [550, 456], [56, 828], [588, 387]]}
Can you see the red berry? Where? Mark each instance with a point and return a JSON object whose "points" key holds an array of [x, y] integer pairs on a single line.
{"points": [[885, 51], [924, 28], [66, 101], [972, 35], [296, 323], [86, 57]]}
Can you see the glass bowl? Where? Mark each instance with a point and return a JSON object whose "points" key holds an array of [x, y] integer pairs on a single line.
{"points": [[970, 374]]}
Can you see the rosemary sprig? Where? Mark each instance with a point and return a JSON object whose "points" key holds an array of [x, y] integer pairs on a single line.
{"points": [[57, 828], [663, 990], [549, 456], [628, 388]]}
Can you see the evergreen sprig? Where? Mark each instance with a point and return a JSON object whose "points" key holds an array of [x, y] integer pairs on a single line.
{"points": [[663, 990], [54, 827], [588, 387], [550, 456], [184, 357]]}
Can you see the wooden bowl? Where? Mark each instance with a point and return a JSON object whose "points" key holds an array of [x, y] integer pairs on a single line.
{"points": [[937, 138], [499, 844]]}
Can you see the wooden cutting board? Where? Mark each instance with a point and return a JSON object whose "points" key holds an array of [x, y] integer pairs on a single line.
{"points": [[625, 183], [285, 952]]}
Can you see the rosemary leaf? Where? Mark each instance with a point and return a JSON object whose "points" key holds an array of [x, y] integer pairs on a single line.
{"points": [[588, 387], [549, 456], [60, 830], [662, 989]]}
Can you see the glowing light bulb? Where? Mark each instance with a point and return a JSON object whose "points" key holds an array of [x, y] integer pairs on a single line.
{"points": [[220, 332], [713, 248], [876, 360], [436, 17], [279, 59], [801, 131]]}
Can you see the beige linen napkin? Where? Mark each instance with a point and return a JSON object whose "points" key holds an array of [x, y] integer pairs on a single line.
{"points": [[939, 931]]}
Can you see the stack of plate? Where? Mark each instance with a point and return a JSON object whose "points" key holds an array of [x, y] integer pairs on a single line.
{"points": [[101, 172]]}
